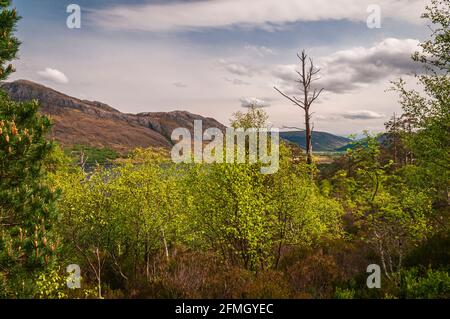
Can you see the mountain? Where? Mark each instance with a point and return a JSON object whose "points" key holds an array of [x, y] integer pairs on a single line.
{"points": [[383, 139], [321, 141], [95, 124], [91, 123]]}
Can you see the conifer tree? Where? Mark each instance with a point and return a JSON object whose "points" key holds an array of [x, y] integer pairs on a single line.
{"points": [[26, 203], [9, 45]]}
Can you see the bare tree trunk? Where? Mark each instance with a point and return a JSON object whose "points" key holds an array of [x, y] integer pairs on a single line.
{"points": [[99, 273], [96, 267], [118, 267], [282, 237], [381, 251], [309, 159], [147, 260], [307, 76], [166, 249], [395, 139], [147, 266], [306, 87]]}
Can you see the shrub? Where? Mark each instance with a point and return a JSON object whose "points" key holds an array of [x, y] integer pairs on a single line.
{"points": [[431, 284]]}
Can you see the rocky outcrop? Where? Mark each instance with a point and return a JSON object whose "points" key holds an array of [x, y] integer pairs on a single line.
{"points": [[81, 122]]}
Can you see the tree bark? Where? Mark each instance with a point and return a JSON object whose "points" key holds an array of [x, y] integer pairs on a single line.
{"points": [[308, 134], [166, 248]]}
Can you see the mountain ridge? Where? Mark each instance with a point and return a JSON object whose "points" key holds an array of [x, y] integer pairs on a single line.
{"points": [[321, 141], [96, 124]]}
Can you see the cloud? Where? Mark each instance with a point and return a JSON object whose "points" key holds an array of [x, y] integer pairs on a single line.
{"points": [[260, 51], [359, 115], [180, 85], [53, 75], [348, 70], [237, 68], [236, 81], [355, 68], [362, 115], [328, 117], [286, 72], [263, 14], [252, 101]]}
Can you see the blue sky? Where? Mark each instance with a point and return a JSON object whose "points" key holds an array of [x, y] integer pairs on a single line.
{"points": [[212, 57]]}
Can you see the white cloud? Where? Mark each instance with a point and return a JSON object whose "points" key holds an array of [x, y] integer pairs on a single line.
{"points": [[253, 101], [237, 68], [355, 68], [286, 72], [351, 69], [53, 75], [362, 115], [236, 81], [260, 51], [265, 14]]}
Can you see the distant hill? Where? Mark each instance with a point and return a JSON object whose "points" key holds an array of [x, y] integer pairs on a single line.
{"points": [[383, 140], [322, 142], [95, 124], [98, 125]]}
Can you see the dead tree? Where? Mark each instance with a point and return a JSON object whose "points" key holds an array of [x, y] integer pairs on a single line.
{"points": [[307, 75]]}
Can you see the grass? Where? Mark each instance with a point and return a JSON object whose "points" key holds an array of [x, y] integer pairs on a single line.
{"points": [[92, 155]]}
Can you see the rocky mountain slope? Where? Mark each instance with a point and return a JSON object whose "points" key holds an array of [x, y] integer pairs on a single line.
{"points": [[95, 124], [81, 122]]}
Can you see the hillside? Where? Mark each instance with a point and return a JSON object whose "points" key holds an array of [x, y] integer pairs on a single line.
{"points": [[383, 140], [98, 125], [322, 142], [91, 123]]}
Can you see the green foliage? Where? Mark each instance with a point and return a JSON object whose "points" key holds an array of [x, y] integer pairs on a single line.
{"points": [[305, 214], [91, 155], [344, 293], [9, 44], [243, 214], [120, 216], [434, 252], [26, 201], [387, 212], [51, 285], [146, 227], [119, 220], [397, 208], [428, 113], [254, 118], [230, 212], [27, 208], [436, 53], [431, 284]]}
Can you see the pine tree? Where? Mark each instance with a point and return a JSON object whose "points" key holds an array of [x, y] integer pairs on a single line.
{"points": [[26, 203], [9, 45]]}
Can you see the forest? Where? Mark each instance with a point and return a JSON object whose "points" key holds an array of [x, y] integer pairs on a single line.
{"points": [[146, 227]]}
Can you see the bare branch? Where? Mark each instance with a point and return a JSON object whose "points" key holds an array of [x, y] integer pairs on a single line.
{"points": [[299, 101], [307, 75], [316, 94], [315, 71], [293, 99]]}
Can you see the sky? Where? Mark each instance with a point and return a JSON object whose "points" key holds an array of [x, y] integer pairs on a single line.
{"points": [[215, 57]]}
